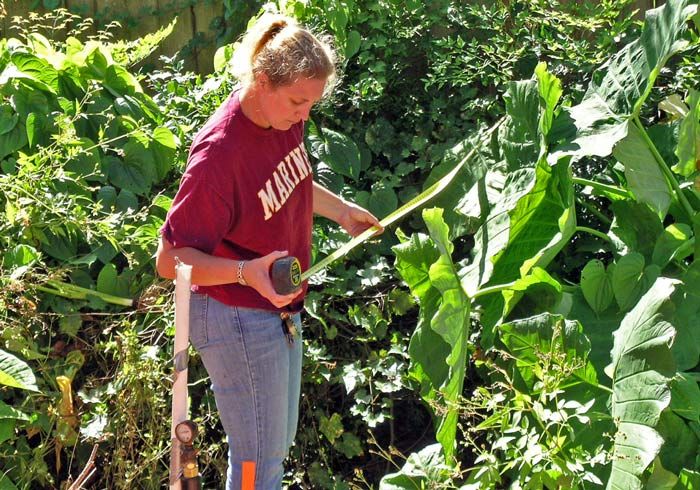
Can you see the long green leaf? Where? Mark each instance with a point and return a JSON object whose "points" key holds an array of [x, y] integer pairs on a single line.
{"points": [[688, 150], [438, 347], [16, 373], [451, 322], [427, 349], [642, 367]]}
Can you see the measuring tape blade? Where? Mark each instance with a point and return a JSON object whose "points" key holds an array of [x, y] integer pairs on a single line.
{"points": [[417, 201]]}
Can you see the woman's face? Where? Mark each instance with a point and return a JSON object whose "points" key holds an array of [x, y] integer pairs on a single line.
{"points": [[286, 105]]}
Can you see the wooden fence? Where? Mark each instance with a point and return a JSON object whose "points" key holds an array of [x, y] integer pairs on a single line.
{"points": [[195, 30]]}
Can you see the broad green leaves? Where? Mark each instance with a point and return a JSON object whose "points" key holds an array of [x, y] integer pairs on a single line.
{"points": [[424, 467], [16, 373], [336, 150], [533, 339], [534, 215], [641, 369], [644, 177], [528, 220], [619, 89], [439, 346], [624, 281]]}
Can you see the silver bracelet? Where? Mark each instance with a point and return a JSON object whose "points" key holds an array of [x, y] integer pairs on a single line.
{"points": [[239, 274]]}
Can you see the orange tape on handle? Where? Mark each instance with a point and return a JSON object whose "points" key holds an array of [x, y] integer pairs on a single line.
{"points": [[248, 476]]}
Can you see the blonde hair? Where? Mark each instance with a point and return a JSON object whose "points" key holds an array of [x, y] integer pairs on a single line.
{"points": [[284, 51]]}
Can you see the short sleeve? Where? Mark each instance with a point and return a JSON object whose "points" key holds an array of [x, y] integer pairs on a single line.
{"points": [[199, 217]]}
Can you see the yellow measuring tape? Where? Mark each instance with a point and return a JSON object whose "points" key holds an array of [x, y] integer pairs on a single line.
{"points": [[417, 201]]}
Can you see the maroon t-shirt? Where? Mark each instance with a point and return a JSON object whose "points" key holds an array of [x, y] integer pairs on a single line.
{"points": [[246, 192]]}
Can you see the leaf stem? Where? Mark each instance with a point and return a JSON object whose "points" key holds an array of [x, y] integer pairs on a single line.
{"points": [[666, 171], [71, 291], [602, 188], [493, 289], [601, 217], [594, 232]]}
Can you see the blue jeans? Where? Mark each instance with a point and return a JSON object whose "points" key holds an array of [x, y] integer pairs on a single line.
{"points": [[255, 375]]}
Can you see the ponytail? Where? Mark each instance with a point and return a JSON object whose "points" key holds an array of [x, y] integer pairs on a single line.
{"points": [[284, 51]]}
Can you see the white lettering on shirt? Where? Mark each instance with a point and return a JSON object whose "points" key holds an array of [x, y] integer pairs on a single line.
{"points": [[290, 167], [302, 165], [280, 185]]}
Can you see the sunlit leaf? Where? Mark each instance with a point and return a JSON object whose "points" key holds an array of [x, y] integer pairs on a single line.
{"points": [[621, 86], [422, 468], [644, 177], [642, 366], [675, 242], [16, 373], [40, 72], [688, 149]]}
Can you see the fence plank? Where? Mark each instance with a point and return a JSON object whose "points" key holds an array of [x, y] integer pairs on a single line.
{"points": [[204, 14], [147, 13], [181, 35]]}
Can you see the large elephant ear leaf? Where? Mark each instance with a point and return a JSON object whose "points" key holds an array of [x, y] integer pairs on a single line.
{"points": [[620, 87], [642, 368]]}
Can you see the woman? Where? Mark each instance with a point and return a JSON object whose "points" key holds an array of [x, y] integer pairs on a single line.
{"points": [[246, 199]]}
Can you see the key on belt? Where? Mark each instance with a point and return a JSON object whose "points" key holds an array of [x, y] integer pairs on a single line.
{"points": [[288, 327]]}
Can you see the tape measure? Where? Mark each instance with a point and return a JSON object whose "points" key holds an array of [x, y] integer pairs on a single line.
{"points": [[286, 272]]}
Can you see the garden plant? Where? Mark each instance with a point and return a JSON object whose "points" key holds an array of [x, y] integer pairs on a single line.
{"points": [[535, 325]]}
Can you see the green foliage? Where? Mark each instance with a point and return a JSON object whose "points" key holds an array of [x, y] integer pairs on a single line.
{"points": [[642, 365], [16, 373], [83, 150], [544, 428], [607, 123], [425, 467], [510, 339]]}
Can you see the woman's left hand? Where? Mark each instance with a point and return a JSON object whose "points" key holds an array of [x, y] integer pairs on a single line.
{"points": [[355, 219]]}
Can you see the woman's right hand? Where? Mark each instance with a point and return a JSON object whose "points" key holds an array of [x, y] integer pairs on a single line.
{"points": [[256, 273]]}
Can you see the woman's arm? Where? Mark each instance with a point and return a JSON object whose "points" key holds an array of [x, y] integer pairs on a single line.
{"points": [[353, 218], [209, 270]]}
